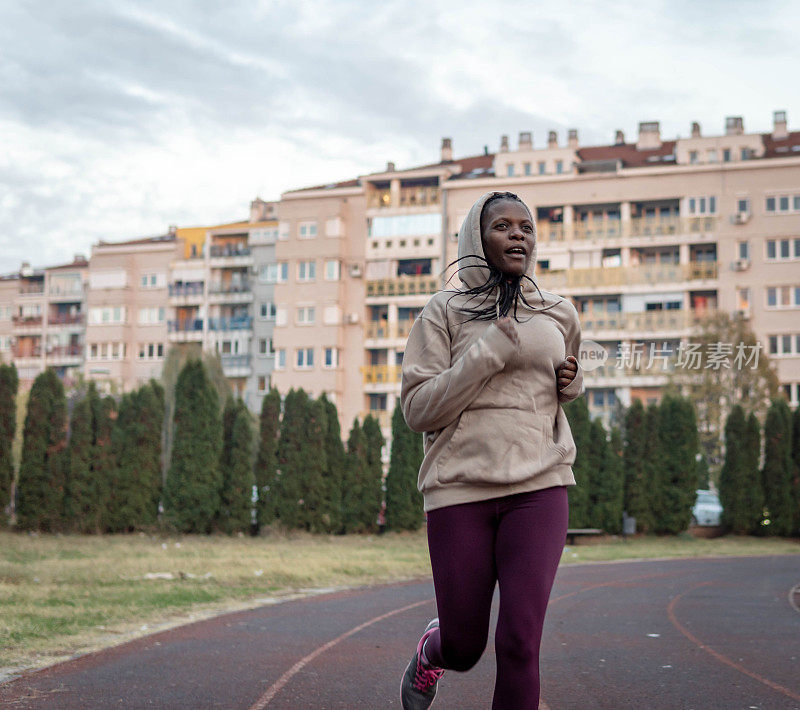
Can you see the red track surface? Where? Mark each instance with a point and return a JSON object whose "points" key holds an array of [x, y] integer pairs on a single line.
{"points": [[692, 634]]}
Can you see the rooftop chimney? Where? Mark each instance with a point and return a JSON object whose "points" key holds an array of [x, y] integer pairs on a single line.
{"points": [[649, 136], [486, 150], [619, 139], [695, 129], [780, 130], [734, 126], [78, 258], [390, 167], [25, 269], [504, 144], [552, 139], [447, 150], [525, 140], [572, 138]]}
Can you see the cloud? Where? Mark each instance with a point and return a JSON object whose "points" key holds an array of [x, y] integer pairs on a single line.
{"points": [[118, 118]]}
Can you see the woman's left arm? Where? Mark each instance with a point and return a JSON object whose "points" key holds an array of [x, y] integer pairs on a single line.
{"points": [[572, 341]]}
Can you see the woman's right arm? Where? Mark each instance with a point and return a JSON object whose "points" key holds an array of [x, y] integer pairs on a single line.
{"points": [[434, 392]]}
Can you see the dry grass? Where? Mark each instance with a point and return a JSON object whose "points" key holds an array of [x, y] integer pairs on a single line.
{"points": [[64, 595]]}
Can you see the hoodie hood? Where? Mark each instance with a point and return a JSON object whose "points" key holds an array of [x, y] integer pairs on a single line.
{"points": [[472, 259]]}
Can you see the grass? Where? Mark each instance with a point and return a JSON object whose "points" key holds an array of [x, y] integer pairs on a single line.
{"points": [[61, 595]]}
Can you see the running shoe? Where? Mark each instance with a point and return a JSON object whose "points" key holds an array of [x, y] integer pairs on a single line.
{"points": [[418, 687]]}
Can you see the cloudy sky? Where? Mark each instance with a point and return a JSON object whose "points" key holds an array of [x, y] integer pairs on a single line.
{"points": [[119, 118]]}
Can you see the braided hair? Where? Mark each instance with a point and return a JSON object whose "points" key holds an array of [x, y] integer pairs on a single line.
{"points": [[506, 288]]}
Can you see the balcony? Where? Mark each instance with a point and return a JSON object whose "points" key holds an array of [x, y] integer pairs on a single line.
{"points": [[403, 286], [226, 324], [236, 365], [26, 353], [65, 355], [57, 293], [665, 226], [383, 330], [645, 274], [550, 232], [610, 229], [27, 325], [230, 293], [31, 290], [182, 331], [230, 256], [412, 196], [671, 320], [382, 374], [65, 319], [185, 294]]}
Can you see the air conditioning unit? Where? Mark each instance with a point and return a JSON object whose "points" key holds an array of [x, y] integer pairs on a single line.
{"points": [[741, 218], [352, 318], [741, 265], [742, 313], [355, 271]]}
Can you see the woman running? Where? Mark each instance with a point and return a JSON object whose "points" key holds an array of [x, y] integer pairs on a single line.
{"points": [[485, 370]]}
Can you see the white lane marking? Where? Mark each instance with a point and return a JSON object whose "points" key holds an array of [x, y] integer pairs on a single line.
{"points": [[276, 687]]}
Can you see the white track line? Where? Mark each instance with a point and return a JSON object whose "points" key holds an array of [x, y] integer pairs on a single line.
{"points": [[275, 688]]}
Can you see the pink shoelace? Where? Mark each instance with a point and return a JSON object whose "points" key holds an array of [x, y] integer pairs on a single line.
{"points": [[426, 678]]}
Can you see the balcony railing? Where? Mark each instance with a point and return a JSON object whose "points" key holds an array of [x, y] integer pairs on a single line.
{"points": [[31, 290], [403, 286], [219, 324], [22, 353], [550, 232], [597, 230], [58, 292], [66, 319], [381, 374], [26, 321], [408, 197], [616, 229], [379, 330], [235, 361], [229, 250], [64, 351], [186, 289], [188, 325], [655, 274], [227, 288], [647, 321]]}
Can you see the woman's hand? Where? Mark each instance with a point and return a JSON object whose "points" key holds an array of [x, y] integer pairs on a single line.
{"points": [[566, 371], [509, 328]]}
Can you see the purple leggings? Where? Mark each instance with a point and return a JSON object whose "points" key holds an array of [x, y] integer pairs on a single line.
{"points": [[517, 541]]}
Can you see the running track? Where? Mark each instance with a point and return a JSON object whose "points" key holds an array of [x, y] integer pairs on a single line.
{"points": [[691, 634]]}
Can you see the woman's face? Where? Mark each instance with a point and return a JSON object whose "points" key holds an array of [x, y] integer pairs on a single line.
{"points": [[507, 236]]}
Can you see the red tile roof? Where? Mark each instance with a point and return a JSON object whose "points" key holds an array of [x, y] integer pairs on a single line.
{"points": [[627, 154], [772, 147]]}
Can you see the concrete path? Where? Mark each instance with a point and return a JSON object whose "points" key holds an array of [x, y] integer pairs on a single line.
{"points": [[691, 634]]}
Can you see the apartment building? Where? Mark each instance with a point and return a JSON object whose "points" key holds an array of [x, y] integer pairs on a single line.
{"points": [[42, 319], [645, 237], [127, 310]]}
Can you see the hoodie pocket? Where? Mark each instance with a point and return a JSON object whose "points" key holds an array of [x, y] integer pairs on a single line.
{"points": [[495, 446]]}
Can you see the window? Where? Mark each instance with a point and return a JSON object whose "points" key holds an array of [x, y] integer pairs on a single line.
{"points": [[262, 384], [331, 357], [745, 153], [262, 346], [542, 167], [510, 170], [743, 205], [692, 156], [786, 344], [107, 315], [526, 167], [147, 351], [743, 250], [306, 270], [726, 155], [263, 236], [307, 230], [783, 249], [406, 225], [280, 359], [153, 280], [275, 273], [770, 204], [152, 316], [306, 315], [267, 310], [305, 358], [702, 205], [332, 270], [783, 296], [559, 166]]}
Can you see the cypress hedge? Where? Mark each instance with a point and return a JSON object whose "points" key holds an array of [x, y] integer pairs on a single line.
{"points": [[9, 383], [335, 458], [404, 503], [192, 489], [733, 494], [776, 476], [266, 459], [577, 412], [236, 465], [42, 471]]}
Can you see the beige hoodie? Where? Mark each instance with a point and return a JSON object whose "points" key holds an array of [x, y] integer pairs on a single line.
{"points": [[490, 412]]}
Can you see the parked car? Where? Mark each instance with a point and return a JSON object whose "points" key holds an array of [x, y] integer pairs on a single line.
{"points": [[707, 509]]}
